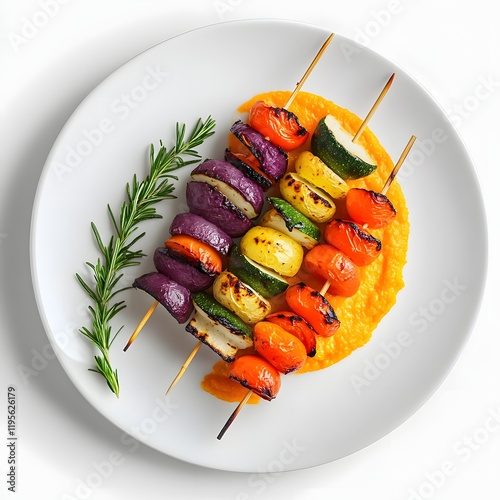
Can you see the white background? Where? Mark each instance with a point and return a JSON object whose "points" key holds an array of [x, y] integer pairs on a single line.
{"points": [[450, 449]]}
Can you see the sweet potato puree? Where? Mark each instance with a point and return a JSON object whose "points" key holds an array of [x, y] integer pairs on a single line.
{"points": [[380, 281]]}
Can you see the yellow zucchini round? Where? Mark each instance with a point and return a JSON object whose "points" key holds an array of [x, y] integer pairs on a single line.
{"points": [[238, 297], [272, 249], [307, 199], [314, 170]]}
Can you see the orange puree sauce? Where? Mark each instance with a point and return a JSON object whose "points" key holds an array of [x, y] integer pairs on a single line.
{"points": [[380, 281]]}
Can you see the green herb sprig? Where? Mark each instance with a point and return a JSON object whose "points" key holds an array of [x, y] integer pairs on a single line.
{"points": [[119, 253]]}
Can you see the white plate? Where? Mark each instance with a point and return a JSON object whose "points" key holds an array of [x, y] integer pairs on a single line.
{"points": [[318, 417]]}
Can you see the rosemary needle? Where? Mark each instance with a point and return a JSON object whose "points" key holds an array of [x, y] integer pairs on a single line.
{"points": [[119, 253]]}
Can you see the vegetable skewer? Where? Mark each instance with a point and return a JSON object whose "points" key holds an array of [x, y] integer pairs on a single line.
{"points": [[287, 105], [290, 100], [195, 350], [327, 284]]}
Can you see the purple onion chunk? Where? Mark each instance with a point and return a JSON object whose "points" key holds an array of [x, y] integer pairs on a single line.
{"points": [[174, 297], [246, 194], [273, 160], [247, 170], [181, 271], [205, 200], [198, 227]]}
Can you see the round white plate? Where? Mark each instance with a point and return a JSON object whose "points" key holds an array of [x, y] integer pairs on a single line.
{"points": [[317, 417]]}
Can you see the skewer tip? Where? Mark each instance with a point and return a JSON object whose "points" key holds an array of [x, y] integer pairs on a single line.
{"points": [[363, 125], [184, 366], [141, 324], [396, 168], [308, 71], [233, 415], [171, 386]]}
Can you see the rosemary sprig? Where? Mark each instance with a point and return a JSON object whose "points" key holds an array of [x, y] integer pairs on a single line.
{"points": [[119, 253]]}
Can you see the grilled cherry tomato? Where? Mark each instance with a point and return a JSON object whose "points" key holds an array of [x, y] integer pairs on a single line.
{"points": [[313, 307], [331, 264], [369, 207], [278, 125], [199, 254], [297, 326], [359, 245], [282, 349], [256, 374]]}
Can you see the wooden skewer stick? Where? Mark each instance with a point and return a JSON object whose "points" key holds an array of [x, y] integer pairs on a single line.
{"points": [[396, 168], [325, 288], [184, 366], [141, 324], [308, 71], [374, 108], [230, 420]]}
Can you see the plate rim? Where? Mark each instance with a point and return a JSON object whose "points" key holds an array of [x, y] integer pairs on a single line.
{"points": [[256, 21]]}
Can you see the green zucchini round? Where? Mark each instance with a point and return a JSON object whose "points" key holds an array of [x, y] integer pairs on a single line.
{"points": [[333, 145], [262, 280]]}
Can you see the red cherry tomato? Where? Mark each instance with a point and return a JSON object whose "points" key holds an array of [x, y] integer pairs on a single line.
{"points": [[313, 307], [278, 125], [369, 207], [298, 326], [331, 264], [282, 349], [359, 245], [256, 374], [198, 253]]}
